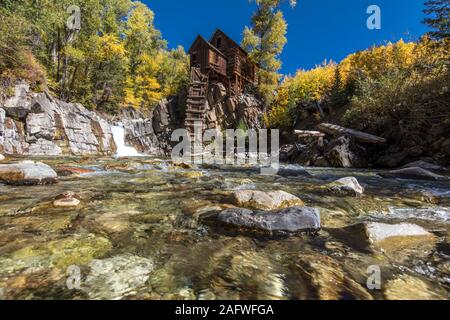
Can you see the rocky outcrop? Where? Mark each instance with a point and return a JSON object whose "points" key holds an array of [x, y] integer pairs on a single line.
{"points": [[340, 152], [151, 133], [291, 220], [226, 112], [265, 200], [27, 173], [37, 124], [343, 152], [337, 146]]}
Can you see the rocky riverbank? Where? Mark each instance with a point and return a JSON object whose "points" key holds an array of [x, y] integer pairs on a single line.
{"points": [[145, 228]]}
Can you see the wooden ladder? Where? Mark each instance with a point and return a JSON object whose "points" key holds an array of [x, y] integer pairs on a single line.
{"points": [[196, 100]]}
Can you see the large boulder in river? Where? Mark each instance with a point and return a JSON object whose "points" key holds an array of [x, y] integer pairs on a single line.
{"points": [[413, 173], [265, 200], [291, 220], [27, 173], [346, 185]]}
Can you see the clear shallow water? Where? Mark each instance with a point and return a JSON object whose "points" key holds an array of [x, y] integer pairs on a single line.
{"points": [[138, 234]]}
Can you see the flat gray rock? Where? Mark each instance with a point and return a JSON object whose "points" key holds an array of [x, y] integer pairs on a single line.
{"points": [[391, 238], [377, 232], [294, 219]]}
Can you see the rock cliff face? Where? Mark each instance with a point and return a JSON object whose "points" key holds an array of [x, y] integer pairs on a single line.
{"points": [[37, 124], [150, 134], [226, 112]]}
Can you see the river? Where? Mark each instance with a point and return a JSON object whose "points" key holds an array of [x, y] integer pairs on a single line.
{"points": [[139, 234]]}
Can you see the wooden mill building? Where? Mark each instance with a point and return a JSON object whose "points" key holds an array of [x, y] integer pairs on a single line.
{"points": [[222, 59]]}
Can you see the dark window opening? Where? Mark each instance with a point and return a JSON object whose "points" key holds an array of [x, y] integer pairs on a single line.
{"points": [[219, 42], [194, 57]]}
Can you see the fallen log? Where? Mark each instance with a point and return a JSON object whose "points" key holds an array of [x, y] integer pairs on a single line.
{"points": [[359, 136]]}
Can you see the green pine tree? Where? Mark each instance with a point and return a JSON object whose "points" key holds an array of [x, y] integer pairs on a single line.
{"points": [[438, 19], [265, 41]]}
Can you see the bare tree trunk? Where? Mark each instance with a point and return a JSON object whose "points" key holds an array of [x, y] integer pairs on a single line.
{"points": [[59, 56]]}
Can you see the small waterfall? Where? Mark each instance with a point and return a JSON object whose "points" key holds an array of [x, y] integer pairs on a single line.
{"points": [[118, 133]]}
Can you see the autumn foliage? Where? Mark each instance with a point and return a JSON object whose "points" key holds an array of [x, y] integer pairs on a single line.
{"points": [[118, 59], [384, 89]]}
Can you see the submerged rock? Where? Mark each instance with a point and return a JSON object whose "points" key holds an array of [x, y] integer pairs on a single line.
{"points": [[293, 172], [438, 214], [65, 200], [266, 200], [238, 270], [78, 250], [407, 287], [117, 277], [192, 174], [69, 171], [326, 278], [27, 173], [414, 173], [2, 157], [425, 165], [295, 219], [346, 185]]}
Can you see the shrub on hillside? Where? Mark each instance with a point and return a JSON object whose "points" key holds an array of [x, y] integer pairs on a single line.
{"points": [[407, 98], [305, 86], [16, 59]]}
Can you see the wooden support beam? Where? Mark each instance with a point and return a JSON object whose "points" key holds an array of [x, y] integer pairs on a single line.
{"points": [[306, 133], [363, 137]]}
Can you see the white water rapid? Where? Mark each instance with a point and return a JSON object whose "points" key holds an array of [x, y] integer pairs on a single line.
{"points": [[118, 133]]}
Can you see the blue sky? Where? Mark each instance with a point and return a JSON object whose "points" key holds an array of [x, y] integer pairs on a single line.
{"points": [[317, 29]]}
